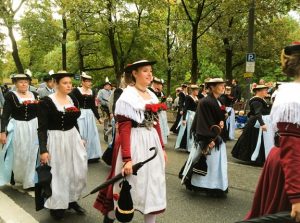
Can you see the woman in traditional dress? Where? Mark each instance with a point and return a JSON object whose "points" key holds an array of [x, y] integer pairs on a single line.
{"points": [[139, 130], [62, 147], [157, 89], [253, 146], [227, 100], [19, 135], [184, 139], [279, 184], [210, 114], [86, 121], [182, 94]]}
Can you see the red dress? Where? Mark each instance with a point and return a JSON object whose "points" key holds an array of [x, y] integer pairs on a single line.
{"points": [[279, 184]]}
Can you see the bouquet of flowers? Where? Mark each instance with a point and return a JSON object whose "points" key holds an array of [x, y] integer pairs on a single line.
{"points": [[156, 107], [27, 102]]}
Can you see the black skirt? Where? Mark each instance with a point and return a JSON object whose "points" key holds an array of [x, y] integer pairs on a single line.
{"points": [[246, 144]]}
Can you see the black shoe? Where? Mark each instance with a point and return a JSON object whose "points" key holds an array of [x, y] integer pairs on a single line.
{"points": [[107, 219], [75, 206], [94, 160], [57, 214]]}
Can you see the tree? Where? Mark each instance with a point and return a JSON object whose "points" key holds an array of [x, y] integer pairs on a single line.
{"points": [[202, 15], [7, 15]]}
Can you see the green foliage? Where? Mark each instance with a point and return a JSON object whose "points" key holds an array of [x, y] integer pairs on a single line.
{"points": [[106, 35]]}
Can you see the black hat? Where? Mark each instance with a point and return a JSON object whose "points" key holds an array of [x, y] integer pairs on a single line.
{"points": [[85, 76], [215, 81], [47, 78], [259, 86], [124, 210], [292, 49], [15, 77], [184, 85], [159, 81], [107, 82], [137, 64], [61, 74], [43, 186]]}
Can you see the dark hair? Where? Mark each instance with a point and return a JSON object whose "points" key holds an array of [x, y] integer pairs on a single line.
{"points": [[290, 64], [84, 79], [235, 81], [59, 77]]}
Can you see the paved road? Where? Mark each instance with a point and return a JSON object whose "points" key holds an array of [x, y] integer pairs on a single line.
{"points": [[17, 206]]}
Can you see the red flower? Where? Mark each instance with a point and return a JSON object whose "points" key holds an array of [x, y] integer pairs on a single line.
{"points": [[155, 107], [27, 102], [223, 107], [116, 197], [72, 109], [164, 106]]}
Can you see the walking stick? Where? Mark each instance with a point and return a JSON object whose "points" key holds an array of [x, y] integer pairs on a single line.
{"points": [[116, 178], [281, 217]]}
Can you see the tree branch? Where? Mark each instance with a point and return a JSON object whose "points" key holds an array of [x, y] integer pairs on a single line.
{"points": [[18, 8], [187, 12], [207, 28]]}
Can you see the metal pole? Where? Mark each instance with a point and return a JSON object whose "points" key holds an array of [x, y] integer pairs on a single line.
{"points": [[251, 21]]}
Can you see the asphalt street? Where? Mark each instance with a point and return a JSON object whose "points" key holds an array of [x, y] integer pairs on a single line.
{"points": [[17, 206]]}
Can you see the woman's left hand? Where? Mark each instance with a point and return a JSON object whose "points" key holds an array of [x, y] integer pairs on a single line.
{"points": [[295, 213]]}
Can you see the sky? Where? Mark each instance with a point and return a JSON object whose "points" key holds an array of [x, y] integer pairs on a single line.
{"points": [[18, 36]]}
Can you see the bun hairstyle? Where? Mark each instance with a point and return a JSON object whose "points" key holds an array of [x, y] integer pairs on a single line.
{"points": [[290, 60]]}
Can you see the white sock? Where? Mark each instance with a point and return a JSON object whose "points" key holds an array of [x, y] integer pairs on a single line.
{"points": [[149, 218]]}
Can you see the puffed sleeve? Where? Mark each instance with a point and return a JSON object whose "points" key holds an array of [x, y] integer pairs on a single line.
{"points": [[124, 127], [7, 110], [290, 160], [158, 129], [43, 110], [187, 106], [257, 108]]}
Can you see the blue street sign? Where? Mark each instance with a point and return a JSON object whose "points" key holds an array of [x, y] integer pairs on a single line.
{"points": [[77, 76], [250, 57]]}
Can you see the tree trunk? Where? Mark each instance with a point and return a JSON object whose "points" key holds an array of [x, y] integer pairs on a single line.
{"points": [[79, 52], [111, 36], [169, 70], [15, 52], [64, 43], [228, 61], [194, 70]]}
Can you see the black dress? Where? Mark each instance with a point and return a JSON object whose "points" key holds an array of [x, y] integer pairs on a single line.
{"points": [[86, 101], [189, 105], [21, 163], [245, 146], [59, 136], [181, 101]]}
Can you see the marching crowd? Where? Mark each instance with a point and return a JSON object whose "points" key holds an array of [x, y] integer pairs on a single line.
{"points": [[50, 135]]}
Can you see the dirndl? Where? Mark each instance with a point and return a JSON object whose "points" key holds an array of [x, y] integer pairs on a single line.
{"points": [[149, 185], [217, 177], [20, 153], [89, 132], [187, 127], [68, 167], [163, 122]]}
